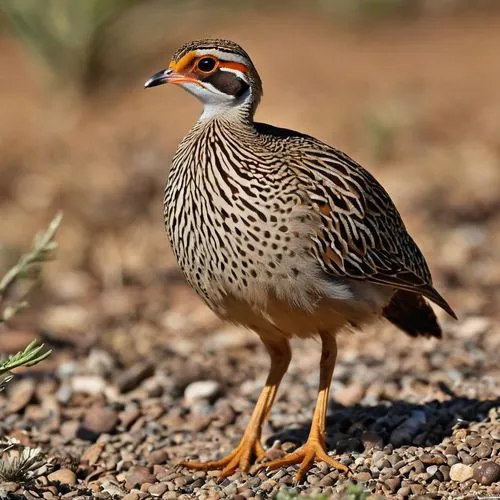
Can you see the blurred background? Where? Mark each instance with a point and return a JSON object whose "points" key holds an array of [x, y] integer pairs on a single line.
{"points": [[410, 88]]}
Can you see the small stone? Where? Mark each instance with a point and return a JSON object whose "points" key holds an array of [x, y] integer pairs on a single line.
{"points": [[131, 378], [372, 440], [201, 389], [417, 489], [98, 420], [466, 458], [393, 483], [451, 450], [137, 475], [112, 488], [329, 479], [445, 471], [487, 473], [362, 476], [432, 459], [20, 394], [473, 326], [404, 492], [92, 453], [157, 490], [274, 453], [268, 485], [378, 456], [9, 487], [461, 472], [350, 395], [88, 384], [482, 451], [129, 416], [131, 496], [495, 433], [63, 476], [157, 457], [64, 393], [431, 470]]}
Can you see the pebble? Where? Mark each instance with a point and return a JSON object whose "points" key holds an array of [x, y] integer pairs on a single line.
{"points": [[372, 440], [362, 476], [129, 416], [137, 476], [88, 384], [201, 389], [131, 496], [157, 457], [466, 458], [486, 473], [92, 453], [432, 459], [131, 378], [98, 420], [393, 483], [20, 394], [157, 490], [350, 395], [445, 471], [461, 472], [63, 476], [431, 470]]}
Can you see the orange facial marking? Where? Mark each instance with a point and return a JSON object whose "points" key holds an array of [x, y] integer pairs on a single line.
{"points": [[183, 63], [234, 65]]}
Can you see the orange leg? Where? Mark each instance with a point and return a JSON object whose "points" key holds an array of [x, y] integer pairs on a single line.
{"points": [[250, 447], [314, 448]]}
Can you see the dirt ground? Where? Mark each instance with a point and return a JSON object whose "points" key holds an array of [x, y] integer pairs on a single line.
{"points": [[144, 374]]}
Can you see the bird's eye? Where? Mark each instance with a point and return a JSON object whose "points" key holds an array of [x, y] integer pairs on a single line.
{"points": [[206, 64]]}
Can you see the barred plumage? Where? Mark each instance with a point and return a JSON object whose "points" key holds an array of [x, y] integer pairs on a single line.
{"points": [[282, 233]]}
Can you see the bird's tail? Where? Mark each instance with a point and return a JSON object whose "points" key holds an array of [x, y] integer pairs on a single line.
{"points": [[411, 313]]}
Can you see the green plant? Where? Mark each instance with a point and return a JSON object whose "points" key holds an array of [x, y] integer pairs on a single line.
{"points": [[31, 355], [356, 492], [292, 494], [27, 268]]}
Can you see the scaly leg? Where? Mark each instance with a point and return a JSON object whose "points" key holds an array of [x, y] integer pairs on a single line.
{"points": [[250, 446], [314, 448]]}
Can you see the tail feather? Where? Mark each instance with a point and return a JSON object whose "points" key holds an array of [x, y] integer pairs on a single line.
{"points": [[411, 313]]}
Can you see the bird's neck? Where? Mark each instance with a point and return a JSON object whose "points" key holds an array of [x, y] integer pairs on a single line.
{"points": [[240, 114]]}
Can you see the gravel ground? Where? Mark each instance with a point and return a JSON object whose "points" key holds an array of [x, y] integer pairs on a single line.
{"points": [[144, 375], [424, 420]]}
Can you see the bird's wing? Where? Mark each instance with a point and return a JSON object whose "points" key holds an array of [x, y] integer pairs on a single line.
{"points": [[361, 235]]}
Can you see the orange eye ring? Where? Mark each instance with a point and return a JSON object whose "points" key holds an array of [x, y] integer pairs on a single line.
{"points": [[206, 64]]}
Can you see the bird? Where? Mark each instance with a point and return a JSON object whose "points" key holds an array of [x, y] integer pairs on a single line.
{"points": [[285, 235]]}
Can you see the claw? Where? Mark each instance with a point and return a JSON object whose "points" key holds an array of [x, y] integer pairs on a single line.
{"points": [[238, 459], [312, 451]]}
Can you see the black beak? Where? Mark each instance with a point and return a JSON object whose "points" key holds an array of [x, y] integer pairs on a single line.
{"points": [[158, 78]]}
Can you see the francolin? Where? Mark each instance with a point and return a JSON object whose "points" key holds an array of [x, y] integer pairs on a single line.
{"points": [[283, 234]]}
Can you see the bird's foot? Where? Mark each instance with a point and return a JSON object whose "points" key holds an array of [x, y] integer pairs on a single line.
{"points": [[313, 451], [241, 458]]}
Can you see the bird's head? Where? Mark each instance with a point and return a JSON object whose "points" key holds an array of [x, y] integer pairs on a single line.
{"points": [[218, 72]]}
